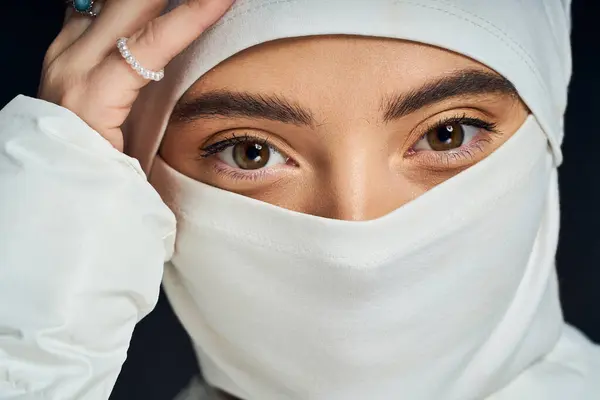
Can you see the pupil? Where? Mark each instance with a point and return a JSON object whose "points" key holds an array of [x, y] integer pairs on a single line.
{"points": [[445, 134], [253, 152]]}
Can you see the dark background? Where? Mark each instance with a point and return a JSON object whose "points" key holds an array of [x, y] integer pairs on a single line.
{"points": [[160, 359]]}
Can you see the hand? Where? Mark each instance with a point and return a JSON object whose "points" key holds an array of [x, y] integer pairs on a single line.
{"points": [[84, 72]]}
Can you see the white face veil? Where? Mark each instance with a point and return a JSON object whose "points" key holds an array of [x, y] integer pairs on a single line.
{"points": [[418, 304]]}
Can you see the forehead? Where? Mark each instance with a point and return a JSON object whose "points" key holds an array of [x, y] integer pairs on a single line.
{"points": [[338, 64]]}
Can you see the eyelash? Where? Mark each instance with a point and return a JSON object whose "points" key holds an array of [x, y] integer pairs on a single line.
{"points": [[218, 147], [227, 171], [465, 152], [445, 158], [463, 120]]}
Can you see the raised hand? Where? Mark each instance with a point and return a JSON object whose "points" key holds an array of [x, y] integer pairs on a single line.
{"points": [[85, 72]]}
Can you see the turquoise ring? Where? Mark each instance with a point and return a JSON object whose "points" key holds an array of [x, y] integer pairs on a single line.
{"points": [[85, 7]]}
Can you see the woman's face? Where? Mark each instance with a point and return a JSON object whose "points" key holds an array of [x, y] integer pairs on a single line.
{"points": [[340, 127]]}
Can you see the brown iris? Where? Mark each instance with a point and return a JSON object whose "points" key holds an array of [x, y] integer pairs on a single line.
{"points": [[446, 137], [251, 155]]}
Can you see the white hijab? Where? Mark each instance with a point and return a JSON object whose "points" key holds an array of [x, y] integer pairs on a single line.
{"points": [[418, 304], [526, 41]]}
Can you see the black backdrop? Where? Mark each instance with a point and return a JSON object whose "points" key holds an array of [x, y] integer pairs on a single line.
{"points": [[160, 359]]}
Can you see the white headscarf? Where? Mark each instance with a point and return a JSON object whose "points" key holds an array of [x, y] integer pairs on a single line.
{"points": [[419, 304], [526, 41]]}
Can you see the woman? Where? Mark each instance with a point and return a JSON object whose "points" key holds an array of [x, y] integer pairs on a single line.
{"points": [[365, 196]]}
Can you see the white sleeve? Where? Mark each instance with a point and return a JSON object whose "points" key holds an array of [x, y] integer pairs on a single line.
{"points": [[83, 239]]}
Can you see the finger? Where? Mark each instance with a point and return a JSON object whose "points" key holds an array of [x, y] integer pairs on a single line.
{"points": [[74, 26], [119, 18], [167, 36], [162, 39], [68, 14]]}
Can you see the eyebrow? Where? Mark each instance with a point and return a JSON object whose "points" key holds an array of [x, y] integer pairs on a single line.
{"points": [[231, 104], [226, 104], [459, 84]]}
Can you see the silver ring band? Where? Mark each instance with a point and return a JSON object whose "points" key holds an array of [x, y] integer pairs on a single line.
{"points": [[130, 59]]}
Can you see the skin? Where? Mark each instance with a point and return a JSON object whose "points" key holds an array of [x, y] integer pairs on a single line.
{"points": [[84, 72], [350, 164]]}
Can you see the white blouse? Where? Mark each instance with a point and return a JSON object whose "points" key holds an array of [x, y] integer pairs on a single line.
{"points": [[83, 240]]}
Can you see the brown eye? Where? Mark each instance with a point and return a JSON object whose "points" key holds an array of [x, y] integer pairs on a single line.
{"points": [[251, 155], [446, 137]]}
